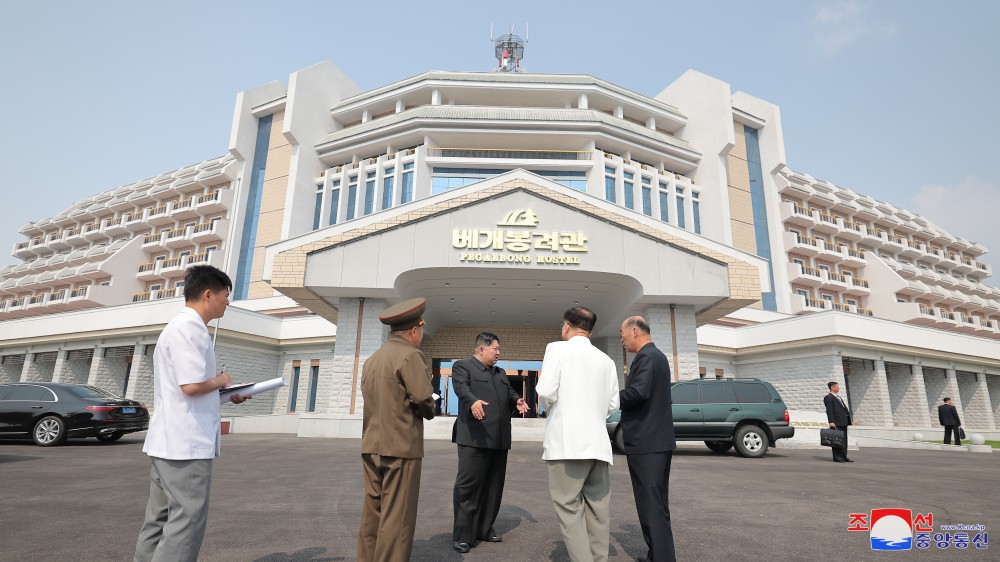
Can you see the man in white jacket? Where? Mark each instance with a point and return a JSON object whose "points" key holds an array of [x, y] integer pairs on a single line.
{"points": [[578, 387]]}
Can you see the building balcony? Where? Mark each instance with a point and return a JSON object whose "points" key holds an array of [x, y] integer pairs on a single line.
{"points": [[852, 231], [214, 202], [829, 250], [176, 238], [934, 255], [23, 250], [834, 281], [908, 270], [154, 241], [895, 244], [804, 275], [911, 251], [113, 227], [982, 270], [965, 266], [158, 216], [877, 238], [209, 231], [947, 280], [92, 295], [827, 224], [946, 319], [158, 294], [133, 222], [967, 323], [56, 241], [801, 244], [92, 232], [794, 214], [801, 304], [183, 209], [852, 308], [173, 267], [148, 271], [852, 257]]}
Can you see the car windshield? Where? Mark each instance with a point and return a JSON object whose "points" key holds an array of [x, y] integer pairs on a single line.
{"points": [[93, 392]]}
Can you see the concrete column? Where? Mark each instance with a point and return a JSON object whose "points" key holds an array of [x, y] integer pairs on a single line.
{"points": [[662, 331], [975, 399], [435, 97], [651, 122], [36, 371], [907, 396], [10, 371], [108, 372], [582, 102], [612, 346], [59, 370], [868, 395], [400, 106], [619, 112], [993, 385], [952, 391], [140, 380], [73, 371], [334, 390]]}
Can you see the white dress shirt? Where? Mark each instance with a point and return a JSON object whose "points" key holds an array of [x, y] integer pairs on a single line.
{"points": [[578, 387], [184, 427]]}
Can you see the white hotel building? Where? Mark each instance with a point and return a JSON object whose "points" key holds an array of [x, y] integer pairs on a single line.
{"points": [[505, 198]]}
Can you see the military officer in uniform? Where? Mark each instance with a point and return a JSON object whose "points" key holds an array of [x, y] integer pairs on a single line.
{"points": [[482, 432], [397, 393]]}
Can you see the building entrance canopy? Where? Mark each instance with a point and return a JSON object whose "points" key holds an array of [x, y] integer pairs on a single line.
{"points": [[516, 250]]}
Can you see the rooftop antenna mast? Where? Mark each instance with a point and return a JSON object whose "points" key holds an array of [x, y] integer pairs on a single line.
{"points": [[508, 50]]}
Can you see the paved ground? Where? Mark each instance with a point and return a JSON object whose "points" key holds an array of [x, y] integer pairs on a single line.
{"points": [[279, 498]]}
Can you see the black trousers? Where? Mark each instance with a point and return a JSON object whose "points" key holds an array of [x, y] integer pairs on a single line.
{"points": [[478, 491], [948, 430], [840, 453], [651, 487]]}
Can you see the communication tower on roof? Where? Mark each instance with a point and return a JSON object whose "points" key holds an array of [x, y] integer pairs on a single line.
{"points": [[509, 50]]}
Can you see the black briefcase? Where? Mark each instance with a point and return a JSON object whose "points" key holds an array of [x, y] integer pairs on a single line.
{"points": [[831, 438], [961, 433]]}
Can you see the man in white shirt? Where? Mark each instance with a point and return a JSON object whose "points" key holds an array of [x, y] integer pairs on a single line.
{"points": [[185, 431], [578, 388]]}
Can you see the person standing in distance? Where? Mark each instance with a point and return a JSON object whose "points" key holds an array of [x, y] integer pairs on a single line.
{"points": [[185, 432], [578, 386], [396, 388], [482, 432], [839, 416], [948, 417], [648, 428]]}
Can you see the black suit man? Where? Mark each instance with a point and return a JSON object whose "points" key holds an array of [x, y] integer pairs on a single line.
{"points": [[948, 417], [648, 429], [482, 432], [839, 416]]}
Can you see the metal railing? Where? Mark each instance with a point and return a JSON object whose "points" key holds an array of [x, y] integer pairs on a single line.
{"points": [[58, 296], [837, 277], [859, 282], [518, 154], [815, 303], [79, 292], [175, 233], [806, 270], [926, 310], [147, 267], [150, 238], [140, 297], [203, 227], [214, 196]]}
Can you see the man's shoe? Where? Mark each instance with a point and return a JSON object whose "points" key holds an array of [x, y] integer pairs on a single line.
{"points": [[493, 537], [838, 460], [462, 547], [848, 460]]}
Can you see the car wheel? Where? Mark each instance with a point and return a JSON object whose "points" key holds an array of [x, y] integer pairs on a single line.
{"points": [[751, 441], [49, 431], [109, 437], [719, 446], [619, 439]]}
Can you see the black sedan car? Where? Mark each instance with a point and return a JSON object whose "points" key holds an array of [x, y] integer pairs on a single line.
{"points": [[50, 412]]}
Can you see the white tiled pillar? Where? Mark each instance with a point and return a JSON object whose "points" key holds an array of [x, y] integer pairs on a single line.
{"points": [[868, 394], [660, 329], [908, 397], [333, 394], [975, 399]]}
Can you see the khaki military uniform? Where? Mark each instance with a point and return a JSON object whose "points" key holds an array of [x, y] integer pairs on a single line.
{"points": [[397, 393]]}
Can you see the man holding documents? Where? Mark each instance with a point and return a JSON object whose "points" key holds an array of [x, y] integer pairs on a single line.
{"points": [[185, 431], [397, 392]]}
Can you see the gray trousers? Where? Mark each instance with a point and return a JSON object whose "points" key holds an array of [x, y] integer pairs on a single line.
{"points": [[177, 511], [581, 494]]}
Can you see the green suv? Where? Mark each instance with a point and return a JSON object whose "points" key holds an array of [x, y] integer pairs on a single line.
{"points": [[746, 413]]}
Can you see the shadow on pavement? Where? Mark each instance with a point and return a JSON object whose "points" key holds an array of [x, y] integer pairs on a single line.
{"points": [[4, 459], [437, 549], [310, 554]]}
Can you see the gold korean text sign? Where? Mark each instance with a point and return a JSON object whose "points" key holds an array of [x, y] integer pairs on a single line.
{"points": [[517, 240]]}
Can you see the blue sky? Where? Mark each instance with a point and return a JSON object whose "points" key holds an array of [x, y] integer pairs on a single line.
{"points": [[891, 98]]}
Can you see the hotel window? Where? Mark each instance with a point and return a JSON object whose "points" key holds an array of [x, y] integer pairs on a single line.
{"points": [[575, 180], [680, 208], [629, 195], [609, 183], [664, 205], [696, 211], [370, 193], [313, 383], [293, 390], [647, 201], [318, 210], [334, 204], [407, 190], [388, 180], [802, 292], [352, 196]]}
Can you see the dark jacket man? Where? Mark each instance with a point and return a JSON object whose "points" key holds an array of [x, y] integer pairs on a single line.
{"points": [[839, 417], [486, 403], [647, 427], [948, 417]]}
